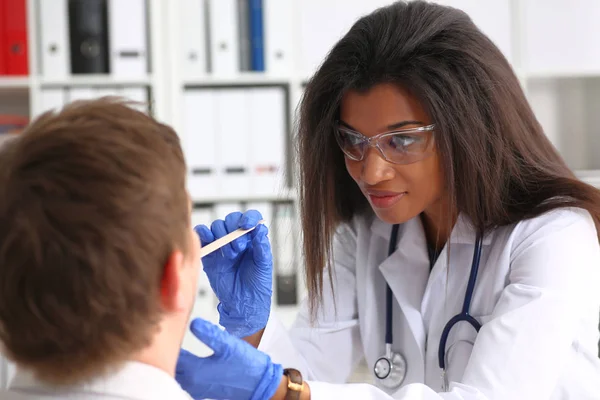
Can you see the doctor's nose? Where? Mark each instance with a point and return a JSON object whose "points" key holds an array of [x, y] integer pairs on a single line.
{"points": [[375, 168]]}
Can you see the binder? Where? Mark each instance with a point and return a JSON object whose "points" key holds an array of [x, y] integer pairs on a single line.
{"points": [[285, 242], [54, 39], [7, 372], [127, 38], [3, 47], [223, 209], [52, 99], [256, 35], [278, 39], [193, 36], [88, 36], [268, 140], [13, 38], [104, 91], [244, 35], [199, 142], [80, 93], [205, 303], [224, 45], [138, 94], [233, 141], [266, 210]]}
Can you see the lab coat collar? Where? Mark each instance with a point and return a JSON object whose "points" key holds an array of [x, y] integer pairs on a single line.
{"points": [[133, 381], [463, 231], [407, 270]]}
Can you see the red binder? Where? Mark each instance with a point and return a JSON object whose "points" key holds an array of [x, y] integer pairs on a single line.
{"points": [[14, 59]]}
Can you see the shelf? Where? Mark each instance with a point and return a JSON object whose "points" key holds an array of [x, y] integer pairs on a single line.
{"points": [[14, 82], [564, 74], [591, 177], [241, 79], [287, 195], [97, 80]]}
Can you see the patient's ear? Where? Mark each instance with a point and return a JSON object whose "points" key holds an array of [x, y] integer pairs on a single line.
{"points": [[171, 293]]}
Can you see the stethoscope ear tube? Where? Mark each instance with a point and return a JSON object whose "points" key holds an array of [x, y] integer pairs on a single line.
{"points": [[464, 314]]}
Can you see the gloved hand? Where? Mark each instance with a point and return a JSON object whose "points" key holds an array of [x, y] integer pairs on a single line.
{"points": [[236, 370], [241, 274]]}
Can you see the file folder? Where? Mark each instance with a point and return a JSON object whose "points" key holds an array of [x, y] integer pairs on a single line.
{"points": [[52, 99], [244, 35], [224, 208], [138, 94], [278, 36], [80, 93], [257, 36], [199, 142], [13, 38], [285, 242], [205, 303], [54, 38], [268, 140], [193, 37], [127, 38], [224, 45], [88, 36], [233, 141]]}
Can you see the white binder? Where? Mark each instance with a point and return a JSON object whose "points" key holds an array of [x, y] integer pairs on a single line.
{"points": [[268, 139], [199, 142], [284, 240], [223, 209], [127, 38], [54, 38], [265, 208], [233, 142], [285, 243], [205, 304], [103, 91], [278, 39], [52, 99], [194, 55], [80, 93], [224, 44], [138, 94]]}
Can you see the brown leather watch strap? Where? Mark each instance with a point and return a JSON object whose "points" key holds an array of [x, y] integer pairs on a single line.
{"points": [[295, 383]]}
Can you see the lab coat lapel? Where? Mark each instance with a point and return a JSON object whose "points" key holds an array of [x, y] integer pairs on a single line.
{"points": [[407, 271]]}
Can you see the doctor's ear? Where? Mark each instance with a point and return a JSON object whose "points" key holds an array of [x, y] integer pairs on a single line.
{"points": [[171, 294]]}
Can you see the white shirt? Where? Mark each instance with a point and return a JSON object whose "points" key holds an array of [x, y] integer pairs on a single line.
{"points": [[135, 381], [537, 295]]}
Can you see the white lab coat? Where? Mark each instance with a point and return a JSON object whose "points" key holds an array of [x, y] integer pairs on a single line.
{"points": [[537, 296], [134, 381]]}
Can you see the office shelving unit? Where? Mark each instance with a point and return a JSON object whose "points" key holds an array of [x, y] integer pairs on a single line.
{"points": [[550, 43]]}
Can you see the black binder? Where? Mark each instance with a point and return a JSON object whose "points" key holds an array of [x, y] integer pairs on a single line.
{"points": [[88, 32]]}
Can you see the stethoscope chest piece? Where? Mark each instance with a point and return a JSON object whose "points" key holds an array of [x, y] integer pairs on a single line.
{"points": [[390, 370]]}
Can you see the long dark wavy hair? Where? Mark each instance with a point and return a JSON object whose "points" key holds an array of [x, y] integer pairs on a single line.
{"points": [[499, 166]]}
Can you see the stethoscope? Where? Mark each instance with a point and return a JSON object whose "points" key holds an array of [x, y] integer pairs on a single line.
{"points": [[390, 369]]}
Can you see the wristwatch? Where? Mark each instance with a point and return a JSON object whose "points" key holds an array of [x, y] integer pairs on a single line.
{"points": [[295, 383]]}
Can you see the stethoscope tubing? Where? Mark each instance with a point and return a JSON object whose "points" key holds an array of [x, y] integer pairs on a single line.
{"points": [[464, 315]]}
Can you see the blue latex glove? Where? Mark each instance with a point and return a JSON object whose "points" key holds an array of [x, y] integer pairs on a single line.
{"points": [[236, 370], [241, 274]]}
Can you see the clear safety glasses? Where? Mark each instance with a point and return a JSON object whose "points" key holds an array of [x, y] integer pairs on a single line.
{"points": [[404, 146]]}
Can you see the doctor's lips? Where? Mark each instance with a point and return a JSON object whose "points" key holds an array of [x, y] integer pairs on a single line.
{"points": [[383, 198]]}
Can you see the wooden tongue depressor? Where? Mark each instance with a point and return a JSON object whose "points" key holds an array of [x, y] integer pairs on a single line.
{"points": [[230, 237]]}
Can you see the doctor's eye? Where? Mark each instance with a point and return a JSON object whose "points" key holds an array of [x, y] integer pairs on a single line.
{"points": [[349, 139], [403, 142]]}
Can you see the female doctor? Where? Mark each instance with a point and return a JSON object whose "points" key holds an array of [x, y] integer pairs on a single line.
{"points": [[446, 242]]}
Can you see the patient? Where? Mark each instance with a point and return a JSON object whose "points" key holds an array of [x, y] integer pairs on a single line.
{"points": [[98, 261]]}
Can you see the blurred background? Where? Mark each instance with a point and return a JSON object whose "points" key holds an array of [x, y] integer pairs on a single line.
{"points": [[228, 75]]}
